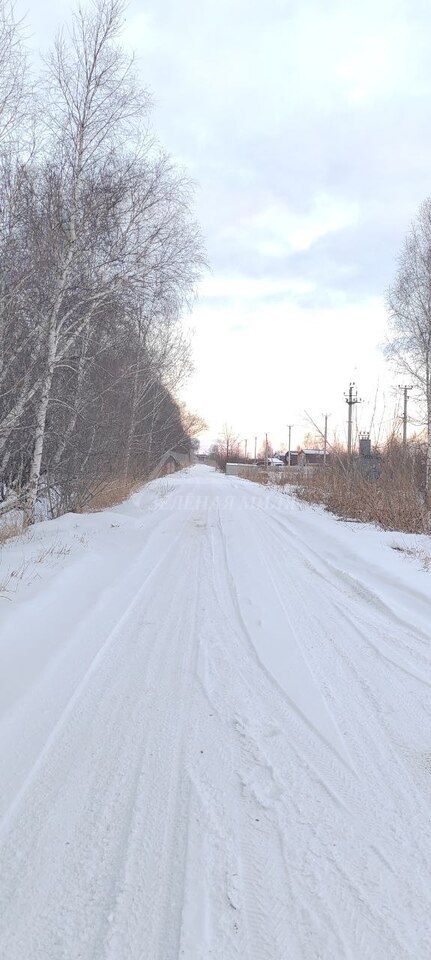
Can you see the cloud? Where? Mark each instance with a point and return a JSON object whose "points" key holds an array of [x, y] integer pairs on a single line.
{"points": [[214, 288], [277, 231], [279, 109]]}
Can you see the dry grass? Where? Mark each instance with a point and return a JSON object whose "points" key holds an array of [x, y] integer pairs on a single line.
{"points": [[108, 493], [277, 478], [54, 552], [394, 500], [12, 580], [256, 476], [28, 568], [9, 529]]}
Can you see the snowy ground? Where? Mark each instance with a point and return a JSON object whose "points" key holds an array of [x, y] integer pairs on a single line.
{"points": [[215, 733]]}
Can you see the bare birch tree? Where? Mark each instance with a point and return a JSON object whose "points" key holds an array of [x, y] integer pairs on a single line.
{"points": [[409, 305], [14, 272], [92, 102]]}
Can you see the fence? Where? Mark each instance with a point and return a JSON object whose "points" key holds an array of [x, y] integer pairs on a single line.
{"points": [[249, 469]]}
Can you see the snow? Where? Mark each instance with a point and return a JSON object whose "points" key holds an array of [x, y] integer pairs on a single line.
{"points": [[215, 732]]}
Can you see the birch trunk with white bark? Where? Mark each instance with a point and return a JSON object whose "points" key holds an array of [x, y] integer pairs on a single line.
{"points": [[428, 453], [39, 434]]}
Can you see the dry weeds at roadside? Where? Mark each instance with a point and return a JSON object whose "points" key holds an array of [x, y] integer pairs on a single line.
{"points": [[415, 553], [10, 529], [82, 539], [12, 580], [28, 567], [393, 500], [275, 478], [256, 476], [109, 493], [53, 552]]}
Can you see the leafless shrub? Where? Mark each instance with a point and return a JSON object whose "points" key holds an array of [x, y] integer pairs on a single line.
{"points": [[107, 494], [393, 499]]}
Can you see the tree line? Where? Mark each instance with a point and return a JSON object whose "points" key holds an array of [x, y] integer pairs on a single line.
{"points": [[99, 256]]}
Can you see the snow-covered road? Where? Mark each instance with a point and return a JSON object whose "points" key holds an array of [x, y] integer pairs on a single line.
{"points": [[216, 735]]}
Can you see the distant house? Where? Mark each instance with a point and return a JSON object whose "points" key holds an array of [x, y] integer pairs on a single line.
{"points": [[302, 458], [206, 459], [314, 456]]}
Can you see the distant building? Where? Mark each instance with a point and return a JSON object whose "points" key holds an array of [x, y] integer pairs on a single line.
{"points": [[303, 458], [205, 458]]}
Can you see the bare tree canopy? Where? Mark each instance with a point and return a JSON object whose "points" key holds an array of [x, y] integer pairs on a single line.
{"points": [[14, 86], [409, 306]]}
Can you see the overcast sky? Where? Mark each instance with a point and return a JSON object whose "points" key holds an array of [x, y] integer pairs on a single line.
{"points": [[307, 127]]}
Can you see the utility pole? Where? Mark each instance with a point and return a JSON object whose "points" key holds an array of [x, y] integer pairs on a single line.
{"points": [[266, 451], [351, 399], [255, 449], [245, 449], [405, 390], [325, 438], [290, 425]]}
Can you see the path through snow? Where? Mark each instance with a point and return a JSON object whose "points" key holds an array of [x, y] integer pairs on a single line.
{"points": [[226, 752]]}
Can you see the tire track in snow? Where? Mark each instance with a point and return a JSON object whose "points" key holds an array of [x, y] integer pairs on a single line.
{"points": [[271, 908], [213, 853], [353, 586], [407, 809], [327, 732], [340, 888], [146, 892], [263, 887], [71, 916], [78, 692], [374, 634], [71, 640]]}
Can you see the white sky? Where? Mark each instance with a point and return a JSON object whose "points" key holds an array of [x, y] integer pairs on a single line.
{"points": [[306, 124]]}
